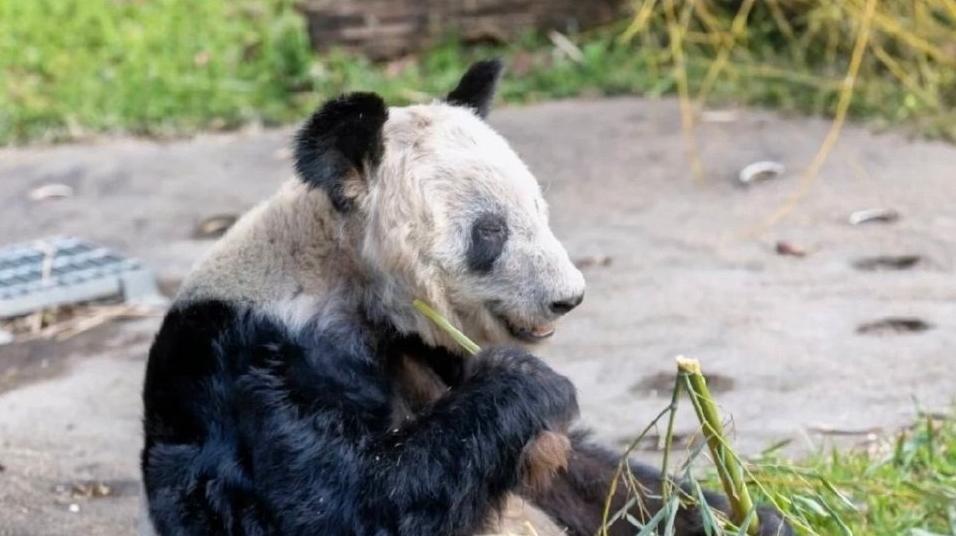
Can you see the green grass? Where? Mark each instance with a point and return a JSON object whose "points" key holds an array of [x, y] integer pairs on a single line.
{"points": [[147, 67], [895, 486], [165, 67], [902, 486]]}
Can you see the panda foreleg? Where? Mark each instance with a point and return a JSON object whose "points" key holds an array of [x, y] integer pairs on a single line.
{"points": [[447, 470]]}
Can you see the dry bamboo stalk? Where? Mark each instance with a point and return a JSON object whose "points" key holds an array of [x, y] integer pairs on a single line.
{"points": [[728, 468], [812, 173]]}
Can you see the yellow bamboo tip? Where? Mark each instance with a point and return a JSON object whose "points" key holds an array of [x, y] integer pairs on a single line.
{"points": [[688, 365]]}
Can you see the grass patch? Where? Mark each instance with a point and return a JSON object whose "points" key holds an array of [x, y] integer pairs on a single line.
{"points": [[893, 486], [162, 67], [147, 67], [69, 68], [902, 486]]}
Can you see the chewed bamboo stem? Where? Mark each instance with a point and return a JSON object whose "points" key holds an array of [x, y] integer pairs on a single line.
{"points": [[728, 468], [446, 326]]}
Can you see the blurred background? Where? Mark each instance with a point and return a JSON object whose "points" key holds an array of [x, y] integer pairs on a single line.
{"points": [[766, 185]]}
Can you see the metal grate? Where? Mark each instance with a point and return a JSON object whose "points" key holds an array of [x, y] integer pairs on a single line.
{"points": [[59, 271]]}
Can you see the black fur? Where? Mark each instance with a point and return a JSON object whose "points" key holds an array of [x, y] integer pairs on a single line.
{"points": [[448, 366], [252, 429], [339, 142], [489, 232], [476, 90]]}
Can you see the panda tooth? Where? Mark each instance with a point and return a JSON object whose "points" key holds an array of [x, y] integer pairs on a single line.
{"points": [[543, 330]]}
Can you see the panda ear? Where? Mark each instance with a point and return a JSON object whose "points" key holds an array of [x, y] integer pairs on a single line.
{"points": [[335, 147], [476, 90]]}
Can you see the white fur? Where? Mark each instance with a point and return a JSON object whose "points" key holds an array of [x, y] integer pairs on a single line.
{"points": [[294, 312], [442, 167]]}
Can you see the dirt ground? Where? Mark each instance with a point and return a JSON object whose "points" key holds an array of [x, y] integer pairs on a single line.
{"points": [[673, 266]]}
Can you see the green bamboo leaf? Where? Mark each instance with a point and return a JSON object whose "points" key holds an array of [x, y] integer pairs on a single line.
{"points": [[843, 498], [844, 528], [810, 504], [650, 527], [710, 524]]}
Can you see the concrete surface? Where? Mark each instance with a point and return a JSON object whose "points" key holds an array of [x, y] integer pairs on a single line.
{"points": [[686, 276]]}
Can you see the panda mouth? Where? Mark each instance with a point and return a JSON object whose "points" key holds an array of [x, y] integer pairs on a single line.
{"points": [[527, 334], [535, 334], [520, 331]]}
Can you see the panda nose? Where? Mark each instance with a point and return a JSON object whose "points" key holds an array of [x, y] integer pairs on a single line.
{"points": [[561, 307]]}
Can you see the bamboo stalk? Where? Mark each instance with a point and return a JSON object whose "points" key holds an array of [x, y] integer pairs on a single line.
{"points": [[728, 468], [445, 325]]}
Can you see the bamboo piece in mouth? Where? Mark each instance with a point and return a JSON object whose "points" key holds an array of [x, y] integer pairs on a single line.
{"points": [[446, 326]]}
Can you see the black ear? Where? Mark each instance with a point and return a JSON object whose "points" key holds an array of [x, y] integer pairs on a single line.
{"points": [[476, 90], [337, 144]]}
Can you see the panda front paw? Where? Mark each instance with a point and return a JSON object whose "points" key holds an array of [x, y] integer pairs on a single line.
{"points": [[553, 396]]}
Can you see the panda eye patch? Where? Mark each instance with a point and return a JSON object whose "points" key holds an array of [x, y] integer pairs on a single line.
{"points": [[489, 232]]}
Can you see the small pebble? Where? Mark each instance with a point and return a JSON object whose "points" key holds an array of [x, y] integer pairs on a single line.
{"points": [[74, 508], [786, 248]]}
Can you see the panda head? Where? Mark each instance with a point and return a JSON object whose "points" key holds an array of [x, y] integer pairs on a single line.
{"points": [[437, 206]]}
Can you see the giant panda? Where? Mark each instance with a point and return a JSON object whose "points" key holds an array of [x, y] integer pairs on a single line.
{"points": [[292, 389]]}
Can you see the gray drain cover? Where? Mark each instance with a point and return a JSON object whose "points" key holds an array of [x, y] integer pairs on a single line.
{"points": [[59, 271]]}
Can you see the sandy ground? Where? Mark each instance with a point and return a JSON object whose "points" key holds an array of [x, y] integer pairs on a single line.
{"points": [[687, 275]]}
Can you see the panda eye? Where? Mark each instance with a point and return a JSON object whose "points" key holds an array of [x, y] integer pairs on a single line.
{"points": [[489, 232]]}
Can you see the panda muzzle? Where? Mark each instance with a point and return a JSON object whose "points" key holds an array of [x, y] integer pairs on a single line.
{"points": [[532, 334]]}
